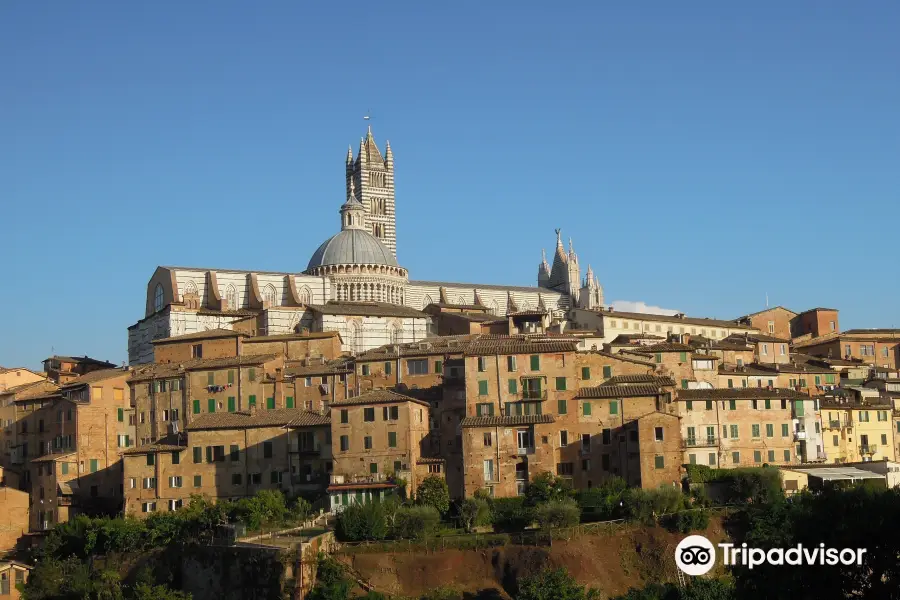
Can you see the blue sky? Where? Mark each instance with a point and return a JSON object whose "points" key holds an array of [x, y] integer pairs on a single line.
{"points": [[701, 154]]}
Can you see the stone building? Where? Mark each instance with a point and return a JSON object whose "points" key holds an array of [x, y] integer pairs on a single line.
{"points": [[15, 508], [376, 437], [875, 347], [63, 369], [353, 283], [737, 427], [17, 376], [611, 323]]}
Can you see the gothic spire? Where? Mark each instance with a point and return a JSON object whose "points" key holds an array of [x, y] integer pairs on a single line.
{"points": [[559, 273], [388, 153], [349, 154]]}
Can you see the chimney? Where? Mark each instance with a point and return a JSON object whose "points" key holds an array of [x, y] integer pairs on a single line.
{"points": [[253, 410]]}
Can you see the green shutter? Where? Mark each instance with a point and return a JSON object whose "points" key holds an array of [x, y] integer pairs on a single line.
{"points": [[730, 383], [439, 366], [683, 357], [586, 408], [513, 386], [210, 378], [197, 481], [784, 430], [252, 400], [120, 414], [483, 387], [230, 376], [270, 403], [211, 405], [585, 373], [373, 468], [818, 380], [289, 402], [684, 384], [614, 407], [198, 454], [127, 441], [95, 467], [732, 405], [562, 406], [607, 372], [659, 357], [688, 405], [770, 430], [196, 407], [65, 465], [560, 384], [252, 374], [768, 404], [387, 368], [232, 406], [535, 362], [392, 439]]}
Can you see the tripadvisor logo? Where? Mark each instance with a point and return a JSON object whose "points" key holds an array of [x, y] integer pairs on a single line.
{"points": [[696, 555]]}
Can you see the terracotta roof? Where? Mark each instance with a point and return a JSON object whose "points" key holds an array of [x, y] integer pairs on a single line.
{"points": [[278, 417], [638, 359], [506, 421], [628, 339], [723, 345], [749, 369], [173, 369], [520, 346], [436, 346], [95, 376], [818, 308], [755, 337], [642, 378], [663, 347], [153, 448], [759, 312], [793, 368], [35, 389], [738, 394], [621, 391], [309, 335], [52, 457], [202, 335], [377, 397], [333, 367], [696, 356], [528, 313], [702, 321], [310, 419], [376, 309], [80, 359]]}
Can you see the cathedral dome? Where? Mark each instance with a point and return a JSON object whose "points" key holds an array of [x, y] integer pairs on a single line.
{"points": [[352, 247]]}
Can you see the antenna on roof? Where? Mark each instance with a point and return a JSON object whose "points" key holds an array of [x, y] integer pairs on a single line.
{"points": [[767, 299]]}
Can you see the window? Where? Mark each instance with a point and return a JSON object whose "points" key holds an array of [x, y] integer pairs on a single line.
{"points": [[562, 407], [345, 416], [392, 439], [345, 443], [510, 363], [607, 372], [158, 299], [488, 439], [148, 507], [176, 458], [489, 470], [768, 404], [234, 452], [658, 432], [684, 384], [485, 409], [586, 442], [252, 374], [367, 442], [785, 430], [884, 438], [688, 405], [198, 454], [585, 464], [771, 456], [659, 462], [198, 481], [439, 366], [535, 362], [417, 367], [765, 350], [711, 459], [120, 415], [513, 386], [735, 458], [482, 387], [149, 483], [560, 384], [604, 462], [754, 430], [175, 481], [267, 450], [365, 370], [236, 479], [658, 357], [369, 414], [882, 415], [373, 468], [709, 405], [606, 436], [757, 456], [563, 438], [613, 407], [482, 364], [565, 469], [585, 373], [270, 403], [196, 408], [730, 383], [211, 405], [391, 413], [782, 349], [692, 459], [586, 408]]}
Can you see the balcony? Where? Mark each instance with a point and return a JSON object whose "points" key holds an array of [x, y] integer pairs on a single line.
{"points": [[839, 424], [868, 449], [701, 442], [533, 395], [64, 500]]}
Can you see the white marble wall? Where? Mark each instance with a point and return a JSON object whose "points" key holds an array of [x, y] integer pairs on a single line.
{"points": [[420, 294], [307, 286], [364, 333]]}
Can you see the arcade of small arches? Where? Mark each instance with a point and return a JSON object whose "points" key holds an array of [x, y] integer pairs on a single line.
{"points": [[386, 270], [371, 291]]}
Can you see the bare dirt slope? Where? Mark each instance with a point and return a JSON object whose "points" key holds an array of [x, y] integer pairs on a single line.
{"points": [[612, 562]]}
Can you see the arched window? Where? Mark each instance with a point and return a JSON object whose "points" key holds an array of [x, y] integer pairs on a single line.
{"points": [[269, 295], [396, 334], [158, 298], [494, 308], [305, 295], [190, 288], [460, 300], [427, 301], [355, 338], [231, 297]]}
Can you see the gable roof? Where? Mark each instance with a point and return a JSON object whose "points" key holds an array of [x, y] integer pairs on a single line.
{"points": [[622, 391], [701, 321], [279, 417], [506, 421], [739, 394], [95, 376], [377, 397]]}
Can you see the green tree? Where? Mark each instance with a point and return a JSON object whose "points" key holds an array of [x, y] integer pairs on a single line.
{"points": [[332, 582], [433, 491], [362, 521], [416, 522], [563, 512], [545, 487], [553, 584]]}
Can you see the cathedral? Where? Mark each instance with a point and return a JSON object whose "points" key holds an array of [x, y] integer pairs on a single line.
{"points": [[352, 284]]}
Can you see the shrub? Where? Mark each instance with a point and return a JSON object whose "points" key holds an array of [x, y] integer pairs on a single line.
{"points": [[553, 584], [699, 473], [433, 491], [416, 522], [646, 505], [473, 512], [604, 502], [331, 581], [687, 521], [363, 521], [511, 514], [442, 593], [558, 513], [300, 510]]}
